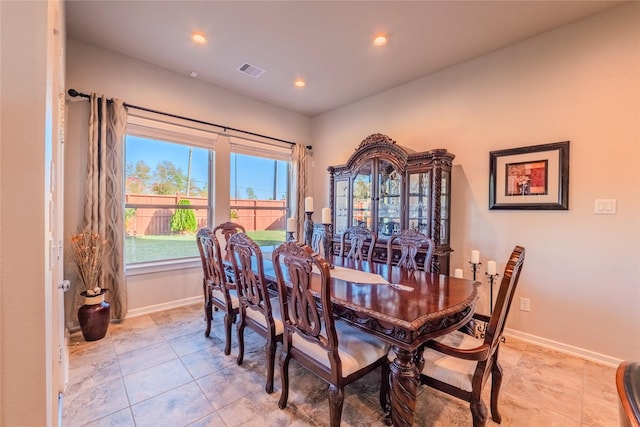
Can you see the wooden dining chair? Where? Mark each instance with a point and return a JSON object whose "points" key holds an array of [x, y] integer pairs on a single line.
{"points": [[459, 364], [410, 241], [357, 237], [218, 291], [318, 236], [335, 352], [257, 310], [223, 232], [628, 386], [226, 230]]}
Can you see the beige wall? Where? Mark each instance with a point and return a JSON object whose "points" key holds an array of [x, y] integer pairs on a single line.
{"points": [[579, 83], [93, 69]]}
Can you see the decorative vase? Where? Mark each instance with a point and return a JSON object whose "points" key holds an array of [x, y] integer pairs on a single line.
{"points": [[94, 316]]}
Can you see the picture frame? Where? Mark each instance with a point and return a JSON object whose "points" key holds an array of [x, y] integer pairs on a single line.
{"points": [[530, 178]]}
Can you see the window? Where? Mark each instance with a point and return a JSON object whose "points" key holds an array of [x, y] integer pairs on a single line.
{"points": [[167, 190], [259, 193]]}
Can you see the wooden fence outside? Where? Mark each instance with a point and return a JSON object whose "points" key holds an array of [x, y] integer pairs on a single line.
{"points": [[252, 214]]}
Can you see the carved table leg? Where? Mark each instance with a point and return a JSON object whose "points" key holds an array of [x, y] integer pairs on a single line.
{"points": [[404, 388]]}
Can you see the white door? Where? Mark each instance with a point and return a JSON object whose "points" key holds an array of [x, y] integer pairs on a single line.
{"points": [[58, 346], [58, 283], [54, 219]]}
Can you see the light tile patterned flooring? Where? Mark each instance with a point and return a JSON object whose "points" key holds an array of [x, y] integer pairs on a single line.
{"points": [[160, 370]]}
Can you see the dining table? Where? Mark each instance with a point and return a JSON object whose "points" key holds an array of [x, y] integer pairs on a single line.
{"points": [[405, 308]]}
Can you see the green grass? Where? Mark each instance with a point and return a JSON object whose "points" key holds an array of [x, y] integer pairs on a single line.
{"points": [[267, 237], [157, 248]]}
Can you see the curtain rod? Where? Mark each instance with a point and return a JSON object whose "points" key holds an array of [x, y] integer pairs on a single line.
{"points": [[74, 93]]}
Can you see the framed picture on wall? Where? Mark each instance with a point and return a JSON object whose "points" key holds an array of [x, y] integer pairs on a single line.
{"points": [[534, 177]]}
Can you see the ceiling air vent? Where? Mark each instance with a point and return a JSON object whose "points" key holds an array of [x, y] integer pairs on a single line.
{"points": [[251, 70]]}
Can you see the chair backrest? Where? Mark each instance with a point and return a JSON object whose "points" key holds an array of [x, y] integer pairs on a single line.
{"points": [[410, 241], [246, 258], [357, 236], [628, 386], [302, 313], [507, 289], [317, 239], [212, 266], [228, 229]]}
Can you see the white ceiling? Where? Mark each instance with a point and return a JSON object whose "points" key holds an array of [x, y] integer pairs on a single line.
{"points": [[328, 43]]}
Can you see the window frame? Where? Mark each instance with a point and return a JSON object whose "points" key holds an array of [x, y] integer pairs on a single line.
{"points": [[220, 146], [187, 136], [269, 151]]}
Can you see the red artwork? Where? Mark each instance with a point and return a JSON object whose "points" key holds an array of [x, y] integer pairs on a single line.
{"points": [[527, 178]]}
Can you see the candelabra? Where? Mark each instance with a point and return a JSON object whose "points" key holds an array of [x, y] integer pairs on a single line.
{"points": [[491, 278], [308, 228], [475, 267], [481, 327]]}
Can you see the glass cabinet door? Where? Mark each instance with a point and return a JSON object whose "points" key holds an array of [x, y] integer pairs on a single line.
{"points": [[388, 200], [419, 202], [361, 196], [341, 207], [445, 198]]}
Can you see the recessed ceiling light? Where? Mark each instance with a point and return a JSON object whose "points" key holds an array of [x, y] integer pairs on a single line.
{"points": [[380, 40], [299, 83], [198, 37]]}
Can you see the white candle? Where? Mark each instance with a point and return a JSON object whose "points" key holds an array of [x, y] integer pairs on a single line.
{"points": [[326, 216], [308, 204], [458, 273], [491, 268], [291, 224], [475, 256]]}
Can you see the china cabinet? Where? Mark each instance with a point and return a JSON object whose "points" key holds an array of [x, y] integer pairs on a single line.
{"points": [[387, 188]]}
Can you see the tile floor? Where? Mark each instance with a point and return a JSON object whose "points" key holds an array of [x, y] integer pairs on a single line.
{"points": [[160, 370]]}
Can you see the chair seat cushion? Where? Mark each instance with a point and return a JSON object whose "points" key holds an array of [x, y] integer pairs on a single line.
{"points": [[257, 316], [357, 349], [451, 370], [218, 295]]}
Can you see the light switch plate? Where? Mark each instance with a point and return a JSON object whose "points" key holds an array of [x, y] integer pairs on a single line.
{"points": [[605, 206]]}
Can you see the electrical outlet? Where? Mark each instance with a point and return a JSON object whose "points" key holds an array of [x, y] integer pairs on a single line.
{"points": [[525, 304]]}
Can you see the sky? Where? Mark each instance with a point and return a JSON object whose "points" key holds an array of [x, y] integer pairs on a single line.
{"points": [[247, 171]]}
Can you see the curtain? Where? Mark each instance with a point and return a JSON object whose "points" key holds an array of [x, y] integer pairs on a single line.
{"points": [[299, 160], [104, 201]]}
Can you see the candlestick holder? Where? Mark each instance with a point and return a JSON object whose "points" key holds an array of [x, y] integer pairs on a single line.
{"points": [[308, 228], [327, 246], [481, 327], [475, 267], [290, 236], [491, 278]]}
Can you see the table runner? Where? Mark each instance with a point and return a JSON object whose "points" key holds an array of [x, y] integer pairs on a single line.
{"points": [[355, 276]]}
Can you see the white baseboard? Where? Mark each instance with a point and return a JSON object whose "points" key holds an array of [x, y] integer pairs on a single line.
{"points": [[164, 306], [564, 348]]}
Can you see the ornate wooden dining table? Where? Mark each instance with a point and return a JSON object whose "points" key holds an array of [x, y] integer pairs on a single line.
{"points": [[404, 308]]}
